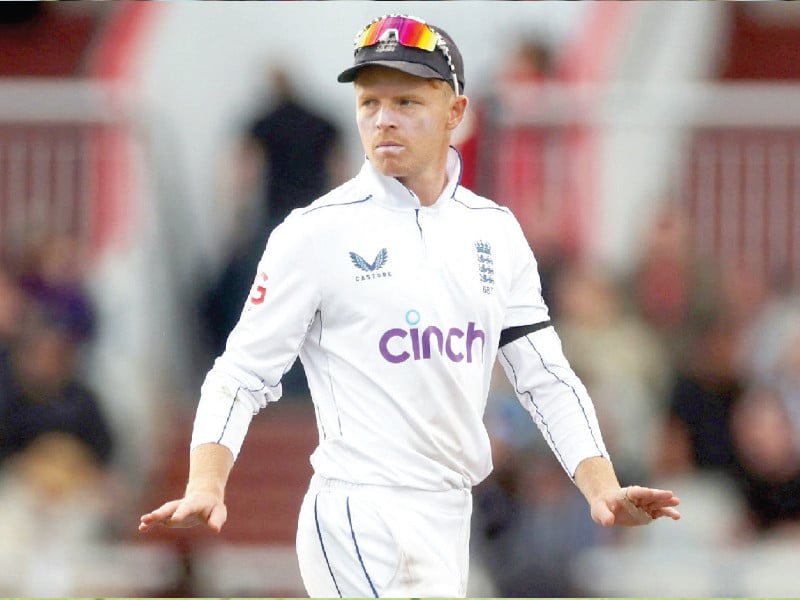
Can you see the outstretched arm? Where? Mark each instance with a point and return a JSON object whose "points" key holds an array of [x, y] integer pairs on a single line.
{"points": [[611, 504], [204, 500]]}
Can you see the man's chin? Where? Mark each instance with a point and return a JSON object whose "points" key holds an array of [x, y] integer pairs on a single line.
{"points": [[389, 168]]}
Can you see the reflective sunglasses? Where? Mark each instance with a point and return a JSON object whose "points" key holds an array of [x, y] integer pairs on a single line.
{"points": [[409, 32]]}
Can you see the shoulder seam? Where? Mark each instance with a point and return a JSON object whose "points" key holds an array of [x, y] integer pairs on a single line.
{"points": [[310, 210], [465, 205]]}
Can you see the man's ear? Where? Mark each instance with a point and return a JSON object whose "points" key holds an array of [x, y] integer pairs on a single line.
{"points": [[458, 108]]}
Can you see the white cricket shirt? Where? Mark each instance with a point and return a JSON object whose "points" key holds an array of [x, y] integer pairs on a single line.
{"points": [[396, 311]]}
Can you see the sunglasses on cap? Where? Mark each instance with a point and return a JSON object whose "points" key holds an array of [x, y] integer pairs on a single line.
{"points": [[408, 32]]}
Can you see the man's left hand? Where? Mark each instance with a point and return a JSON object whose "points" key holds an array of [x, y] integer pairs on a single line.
{"points": [[634, 505]]}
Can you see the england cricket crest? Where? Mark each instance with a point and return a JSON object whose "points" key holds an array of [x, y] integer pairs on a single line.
{"points": [[485, 265]]}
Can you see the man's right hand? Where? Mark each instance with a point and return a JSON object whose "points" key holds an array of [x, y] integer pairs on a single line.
{"points": [[193, 509]]}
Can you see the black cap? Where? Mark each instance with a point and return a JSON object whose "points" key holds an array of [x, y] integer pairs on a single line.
{"points": [[414, 61]]}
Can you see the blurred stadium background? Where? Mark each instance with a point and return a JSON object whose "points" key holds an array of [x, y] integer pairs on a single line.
{"points": [[651, 151]]}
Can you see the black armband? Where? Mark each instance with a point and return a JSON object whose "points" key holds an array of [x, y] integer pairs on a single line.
{"points": [[514, 333]]}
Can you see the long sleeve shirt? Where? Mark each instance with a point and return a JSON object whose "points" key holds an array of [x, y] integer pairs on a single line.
{"points": [[398, 312]]}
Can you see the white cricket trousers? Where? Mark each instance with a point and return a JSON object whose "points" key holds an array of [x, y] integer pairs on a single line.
{"points": [[375, 541]]}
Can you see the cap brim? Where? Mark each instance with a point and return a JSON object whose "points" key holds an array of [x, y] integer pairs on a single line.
{"points": [[424, 71]]}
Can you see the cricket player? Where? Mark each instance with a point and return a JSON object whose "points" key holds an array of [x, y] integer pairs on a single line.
{"points": [[398, 291]]}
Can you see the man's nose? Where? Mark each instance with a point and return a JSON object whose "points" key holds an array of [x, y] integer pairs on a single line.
{"points": [[385, 118]]}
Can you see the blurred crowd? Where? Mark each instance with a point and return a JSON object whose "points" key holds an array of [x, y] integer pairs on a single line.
{"points": [[693, 368], [58, 489]]}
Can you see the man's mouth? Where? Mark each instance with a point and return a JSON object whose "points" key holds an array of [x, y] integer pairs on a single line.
{"points": [[389, 147]]}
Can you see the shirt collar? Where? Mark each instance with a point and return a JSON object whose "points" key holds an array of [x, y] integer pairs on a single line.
{"points": [[389, 192]]}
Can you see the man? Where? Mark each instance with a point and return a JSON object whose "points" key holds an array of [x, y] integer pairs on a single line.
{"points": [[398, 289]]}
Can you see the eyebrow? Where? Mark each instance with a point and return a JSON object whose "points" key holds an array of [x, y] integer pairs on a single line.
{"points": [[412, 95]]}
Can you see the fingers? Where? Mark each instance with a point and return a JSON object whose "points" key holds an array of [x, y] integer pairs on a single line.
{"points": [[602, 514], [667, 512], [217, 518], [616, 508], [161, 515], [635, 513], [187, 512], [650, 496], [655, 503]]}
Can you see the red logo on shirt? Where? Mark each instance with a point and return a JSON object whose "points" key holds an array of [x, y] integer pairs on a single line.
{"points": [[259, 291]]}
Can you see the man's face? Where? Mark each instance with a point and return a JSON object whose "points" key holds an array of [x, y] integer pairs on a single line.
{"points": [[405, 121]]}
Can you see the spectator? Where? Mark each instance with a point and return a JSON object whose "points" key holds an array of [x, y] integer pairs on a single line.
{"points": [[670, 286], [706, 386], [53, 274], [621, 360], [54, 502], [528, 157], [770, 350], [295, 153], [765, 445], [45, 392], [298, 150]]}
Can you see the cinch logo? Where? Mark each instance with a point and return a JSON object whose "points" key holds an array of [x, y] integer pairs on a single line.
{"points": [[399, 345]]}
